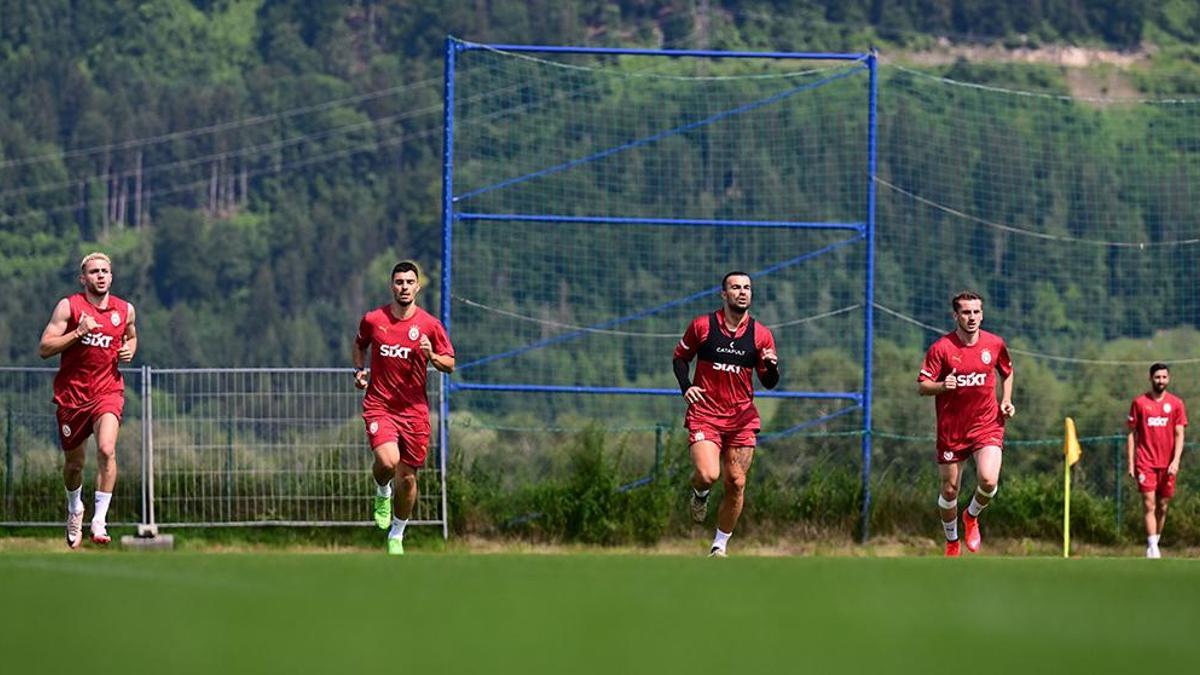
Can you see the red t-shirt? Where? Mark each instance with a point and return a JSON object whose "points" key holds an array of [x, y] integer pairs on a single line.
{"points": [[969, 415], [728, 388], [1153, 425], [88, 368], [397, 383]]}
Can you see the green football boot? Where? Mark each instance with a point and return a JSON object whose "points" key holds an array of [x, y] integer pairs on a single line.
{"points": [[383, 512], [395, 546]]}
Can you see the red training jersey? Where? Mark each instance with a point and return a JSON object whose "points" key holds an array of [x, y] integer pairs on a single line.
{"points": [[88, 368], [1153, 425], [726, 361], [969, 415], [397, 383]]}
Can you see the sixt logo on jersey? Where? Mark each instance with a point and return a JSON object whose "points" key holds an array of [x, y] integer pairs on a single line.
{"points": [[970, 379], [1156, 421], [96, 340], [395, 351], [727, 368]]}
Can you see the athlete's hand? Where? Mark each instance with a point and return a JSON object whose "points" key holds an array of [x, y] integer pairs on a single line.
{"points": [[360, 379], [1131, 473], [87, 323], [426, 346], [694, 394], [951, 382], [125, 353], [770, 358], [1007, 408], [1173, 468]]}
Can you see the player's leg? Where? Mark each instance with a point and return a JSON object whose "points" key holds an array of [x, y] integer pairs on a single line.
{"points": [[1163, 496], [949, 478], [106, 428], [403, 503], [735, 464], [1148, 485], [383, 469], [987, 471], [73, 484], [706, 458]]}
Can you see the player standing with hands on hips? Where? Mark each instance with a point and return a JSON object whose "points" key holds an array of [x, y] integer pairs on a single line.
{"points": [[402, 339]]}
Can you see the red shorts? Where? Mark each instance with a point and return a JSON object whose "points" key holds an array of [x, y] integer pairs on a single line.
{"points": [[411, 434], [1157, 481], [737, 431], [76, 424], [954, 456]]}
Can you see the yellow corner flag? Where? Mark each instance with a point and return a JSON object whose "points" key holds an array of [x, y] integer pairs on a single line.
{"points": [[1072, 453]]}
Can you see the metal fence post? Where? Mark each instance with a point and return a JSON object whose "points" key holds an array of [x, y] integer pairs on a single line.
{"points": [[1119, 472], [658, 449], [148, 420], [8, 458]]}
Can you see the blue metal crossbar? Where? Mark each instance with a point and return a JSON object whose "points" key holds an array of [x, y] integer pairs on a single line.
{"points": [[690, 222]]}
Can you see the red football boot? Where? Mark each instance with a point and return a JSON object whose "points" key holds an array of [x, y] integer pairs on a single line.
{"points": [[952, 549], [971, 530]]}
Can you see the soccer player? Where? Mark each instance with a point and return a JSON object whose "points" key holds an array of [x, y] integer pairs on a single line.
{"points": [[721, 418], [1155, 443], [961, 369], [403, 339], [92, 330]]}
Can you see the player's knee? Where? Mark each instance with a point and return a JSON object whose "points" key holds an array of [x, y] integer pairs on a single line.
{"points": [[987, 487], [949, 492], [74, 463], [708, 475], [106, 452], [735, 482], [406, 480]]}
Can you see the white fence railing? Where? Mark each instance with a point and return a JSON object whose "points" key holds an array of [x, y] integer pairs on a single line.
{"points": [[211, 447]]}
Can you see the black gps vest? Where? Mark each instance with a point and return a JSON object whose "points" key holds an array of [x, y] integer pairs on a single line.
{"points": [[720, 348]]}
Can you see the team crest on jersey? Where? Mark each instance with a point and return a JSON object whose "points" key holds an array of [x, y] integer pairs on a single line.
{"points": [[986, 357], [413, 333], [1166, 407], [373, 427], [115, 318], [66, 431]]}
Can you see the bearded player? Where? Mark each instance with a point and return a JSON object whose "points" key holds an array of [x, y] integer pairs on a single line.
{"points": [[721, 418]]}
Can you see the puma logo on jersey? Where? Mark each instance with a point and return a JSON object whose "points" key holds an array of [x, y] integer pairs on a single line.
{"points": [[970, 379], [97, 340], [727, 368], [1156, 421], [395, 351]]}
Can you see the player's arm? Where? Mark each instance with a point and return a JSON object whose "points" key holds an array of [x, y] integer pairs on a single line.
{"points": [[685, 351], [55, 338], [129, 345], [443, 361], [768, 362], [358, 357], [927, 383], [1006, 388], [1179, 434]]}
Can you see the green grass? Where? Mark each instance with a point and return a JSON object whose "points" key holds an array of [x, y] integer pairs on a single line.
{"points": [[432, 613]]}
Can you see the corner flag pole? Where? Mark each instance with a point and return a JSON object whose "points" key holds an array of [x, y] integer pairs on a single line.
{"points": [[1071, 454]]}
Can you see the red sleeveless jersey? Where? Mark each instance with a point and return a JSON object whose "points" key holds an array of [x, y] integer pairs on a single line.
{"points": [[88, 368]]}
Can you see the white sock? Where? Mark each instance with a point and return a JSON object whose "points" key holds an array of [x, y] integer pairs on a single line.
{"points": [[102, 499], [384, 490], [975, 507], [397, 531], [701, 494], [1152, 540], [721, 539], [75, 500], [951, 529]]}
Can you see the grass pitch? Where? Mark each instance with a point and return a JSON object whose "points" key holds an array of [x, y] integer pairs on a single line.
{"points": [[456, 613]]}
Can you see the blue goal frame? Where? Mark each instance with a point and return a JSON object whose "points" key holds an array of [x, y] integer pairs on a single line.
{"points": [[864, 231]]}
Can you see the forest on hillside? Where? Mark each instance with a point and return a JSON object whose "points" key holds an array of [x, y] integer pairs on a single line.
{"points": [[255, 166]]}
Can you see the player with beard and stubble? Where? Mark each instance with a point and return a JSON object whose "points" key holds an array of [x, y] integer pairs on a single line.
{"points": [[1157, 420]]}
